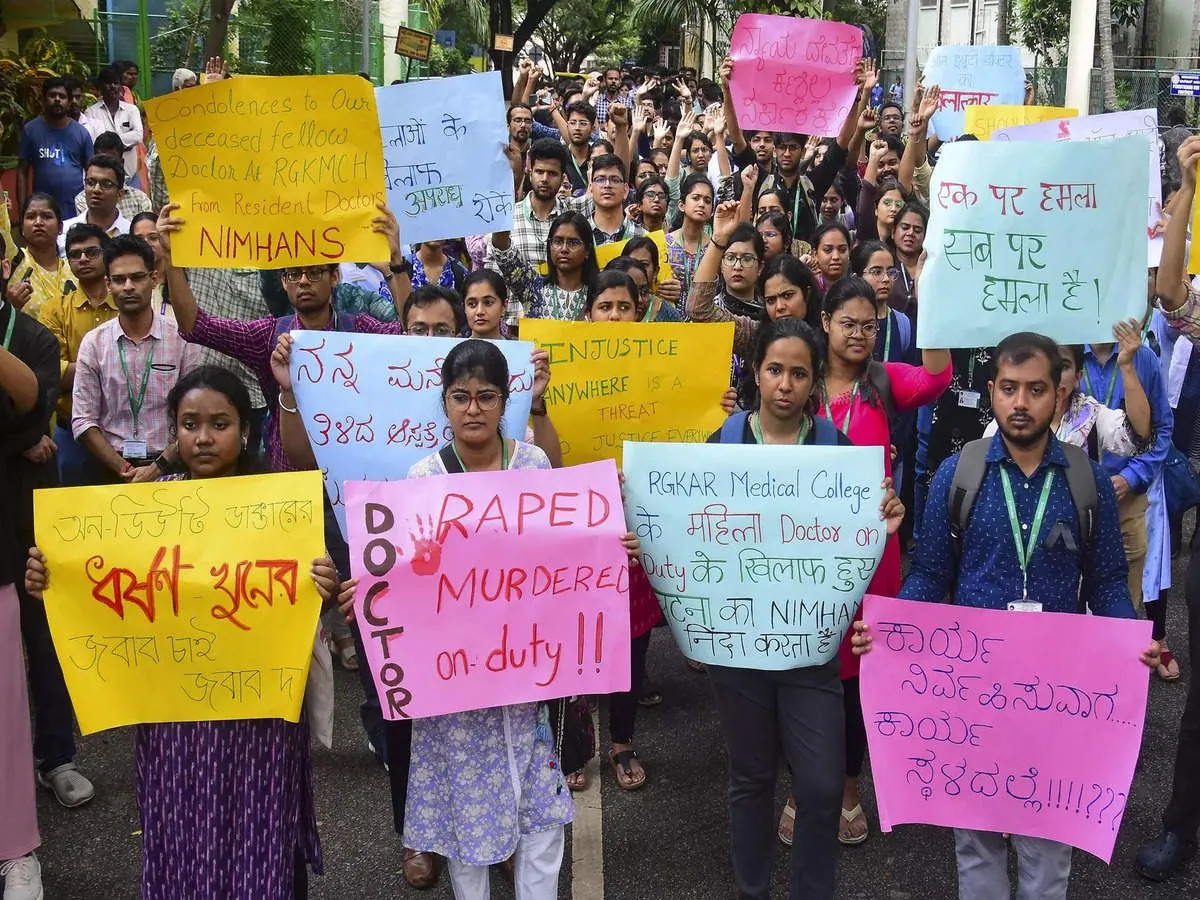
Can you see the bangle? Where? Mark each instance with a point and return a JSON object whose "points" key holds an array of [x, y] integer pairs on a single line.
{"points": [[721, 247], [162, 464], [538, 410], [403, 268], [287, 409]]}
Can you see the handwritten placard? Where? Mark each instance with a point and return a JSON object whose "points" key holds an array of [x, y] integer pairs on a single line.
{"points": [[972, 725], [489, 588], [606, 253], [372, 403], [793, 75], [183, 601], [1033, 237], [1142, 123], [759, 554], [272, 172], [982, 121], [972, 75], [612, 382], [443, 140]]}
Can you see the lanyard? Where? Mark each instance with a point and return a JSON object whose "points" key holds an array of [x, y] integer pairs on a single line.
{"points": [[578, 171], [1112, 384], [503, 455], [136, 403], [12, 323], [756, 430], [845, 426], [887, 338], [971, 371], [1025, 552]]}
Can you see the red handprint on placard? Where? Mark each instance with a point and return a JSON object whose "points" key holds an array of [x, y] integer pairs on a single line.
{"points": [[427, 552]]}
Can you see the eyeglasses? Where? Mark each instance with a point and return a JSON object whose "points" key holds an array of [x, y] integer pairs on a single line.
{"points": [[866, 329], [883, 271], [734, 261], [89, 252], [891, 204], [314, 273], [461, 400], [107, 183], [569, 243], [420, 329], [604, 180], [131, 278], [654, 195], [769, 235]]}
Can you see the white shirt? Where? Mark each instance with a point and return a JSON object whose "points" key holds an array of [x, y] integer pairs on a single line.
{"points": [[366, 277], [120, 226], [127, 123]]}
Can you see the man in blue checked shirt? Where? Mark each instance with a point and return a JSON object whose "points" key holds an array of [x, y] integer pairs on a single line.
{"points": [[1024, 491]]}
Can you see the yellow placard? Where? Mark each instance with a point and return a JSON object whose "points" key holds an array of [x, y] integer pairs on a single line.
{"points": [[981, 121], [414, 44], [606, 253], [10, 245], [272, 172], [616, 381], [183, 601]]}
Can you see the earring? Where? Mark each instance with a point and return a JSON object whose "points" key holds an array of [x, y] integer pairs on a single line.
{"points": [[245, 443]]}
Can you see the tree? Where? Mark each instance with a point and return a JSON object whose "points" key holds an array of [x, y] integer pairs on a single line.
{"points": [[218, 27], [500, 21], [1108, 75], [574, 28], [1003, 21]]}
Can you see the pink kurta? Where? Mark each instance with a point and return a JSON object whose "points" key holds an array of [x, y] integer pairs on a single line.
{"points": [[912, 387], [18, 805]]}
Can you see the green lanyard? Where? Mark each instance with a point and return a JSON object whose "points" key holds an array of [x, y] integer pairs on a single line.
{"points": [[756, 430], [12, 323], [578, 171], [887, 337], [1025, 552], [845, 426], [970, 372], [1112, 384], [503, 455], [136, 403]]}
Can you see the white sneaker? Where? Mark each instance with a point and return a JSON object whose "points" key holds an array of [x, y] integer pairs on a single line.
{"points": [[22, 878]]}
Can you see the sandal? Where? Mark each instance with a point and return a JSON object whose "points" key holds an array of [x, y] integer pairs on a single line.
{"points": [[345, 653], [850, 816], [787, 823], [577, 781], [1168, 668], [650, 697], [620, 763]]}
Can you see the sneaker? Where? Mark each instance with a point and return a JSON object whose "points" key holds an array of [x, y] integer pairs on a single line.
{"points": [[22, 878], [70, 788], [1159, 859]]}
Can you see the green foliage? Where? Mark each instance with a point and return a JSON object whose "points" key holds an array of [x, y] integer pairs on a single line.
{"points": [[275, 37], [1043, 26], [180, 43], [21, 76], [573, 29], [446, 62]]}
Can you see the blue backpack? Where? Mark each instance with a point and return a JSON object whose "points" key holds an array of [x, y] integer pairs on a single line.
{"points": [[734, 427]]}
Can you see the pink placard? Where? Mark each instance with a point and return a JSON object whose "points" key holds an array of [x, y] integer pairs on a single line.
{"points": [[1016, 722], [488, 588], [794, 75]]}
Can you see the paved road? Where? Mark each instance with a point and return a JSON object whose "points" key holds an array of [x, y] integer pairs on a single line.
{"points": [[668, 841]]}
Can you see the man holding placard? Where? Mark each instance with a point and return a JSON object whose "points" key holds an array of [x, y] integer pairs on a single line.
{"points": [[1004, 529]]}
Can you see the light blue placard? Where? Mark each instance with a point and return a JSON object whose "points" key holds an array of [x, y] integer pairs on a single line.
{"points": [[978, 75], [372, 403], [443, 139], [759, 555], [1045, 237]]}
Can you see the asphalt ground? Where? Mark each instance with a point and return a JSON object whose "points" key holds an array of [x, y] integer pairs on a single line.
{"points": [[669, 840]]}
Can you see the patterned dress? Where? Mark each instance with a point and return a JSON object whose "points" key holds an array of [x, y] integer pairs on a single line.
{"points": [[481, 779], [226, 808]]}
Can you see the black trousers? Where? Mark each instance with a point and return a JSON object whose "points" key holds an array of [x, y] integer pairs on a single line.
{"points": [[1183, 811], [622, 708]]}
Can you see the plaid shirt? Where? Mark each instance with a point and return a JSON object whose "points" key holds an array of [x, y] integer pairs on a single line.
{"points": [[253, 343], [129, 204], [603, 103], [1187, 317], [100, 398], [230, 294]]}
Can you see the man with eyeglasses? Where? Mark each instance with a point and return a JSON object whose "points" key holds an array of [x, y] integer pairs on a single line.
{"points": [[130, 200], [103, 182], [891, 118], [606, 209], [125, 370], [53, 149]]}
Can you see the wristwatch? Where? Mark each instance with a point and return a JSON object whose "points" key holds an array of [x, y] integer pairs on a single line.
{"points": [[403, 268]]}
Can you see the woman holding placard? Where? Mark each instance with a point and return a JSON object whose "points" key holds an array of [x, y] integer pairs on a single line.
{"points": [[798, 710], [226, 807], [486, 784], [570, 265]]}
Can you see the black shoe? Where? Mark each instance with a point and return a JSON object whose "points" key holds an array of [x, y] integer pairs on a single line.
{"points": [[1162, 857]]}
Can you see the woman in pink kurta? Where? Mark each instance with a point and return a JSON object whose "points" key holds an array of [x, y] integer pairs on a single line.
{"points": [[853, 394]]}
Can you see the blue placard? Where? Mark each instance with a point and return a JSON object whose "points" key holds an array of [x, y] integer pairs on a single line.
{"points": [[443, 141], [1024, 236], [372, 403], [1185, 84], [978, 75], [759, 554]]}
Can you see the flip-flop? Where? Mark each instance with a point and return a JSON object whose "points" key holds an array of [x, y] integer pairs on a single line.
{"points": [[577, 781], [788, 817], [849, 815], [620, 766], [652, 697]]}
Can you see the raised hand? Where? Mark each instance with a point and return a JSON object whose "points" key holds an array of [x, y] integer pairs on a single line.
{"points": [[166, 224], [1129, 339], [725, 220], [867, 119], [726, 72], [281, 362]]}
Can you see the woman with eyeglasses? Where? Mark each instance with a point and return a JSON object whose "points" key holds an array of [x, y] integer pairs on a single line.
{"points": [[685, 245], [570, 263], [872, 261], [486, 784], [664, 295], [652, 202], [776, 233], [889, 202], [860, 395], [39, 273]]}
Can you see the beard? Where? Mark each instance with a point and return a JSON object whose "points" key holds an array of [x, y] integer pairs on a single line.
{"points": [[1025, 441]]}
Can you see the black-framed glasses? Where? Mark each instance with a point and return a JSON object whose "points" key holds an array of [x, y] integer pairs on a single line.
{"points": [[80, 252], [314, 273], [568, 243], [744, 260], [106, 183]]}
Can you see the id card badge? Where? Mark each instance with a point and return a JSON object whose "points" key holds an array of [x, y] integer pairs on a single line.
{"points": [[1024, 606], [134, 450], [969, 399]]}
